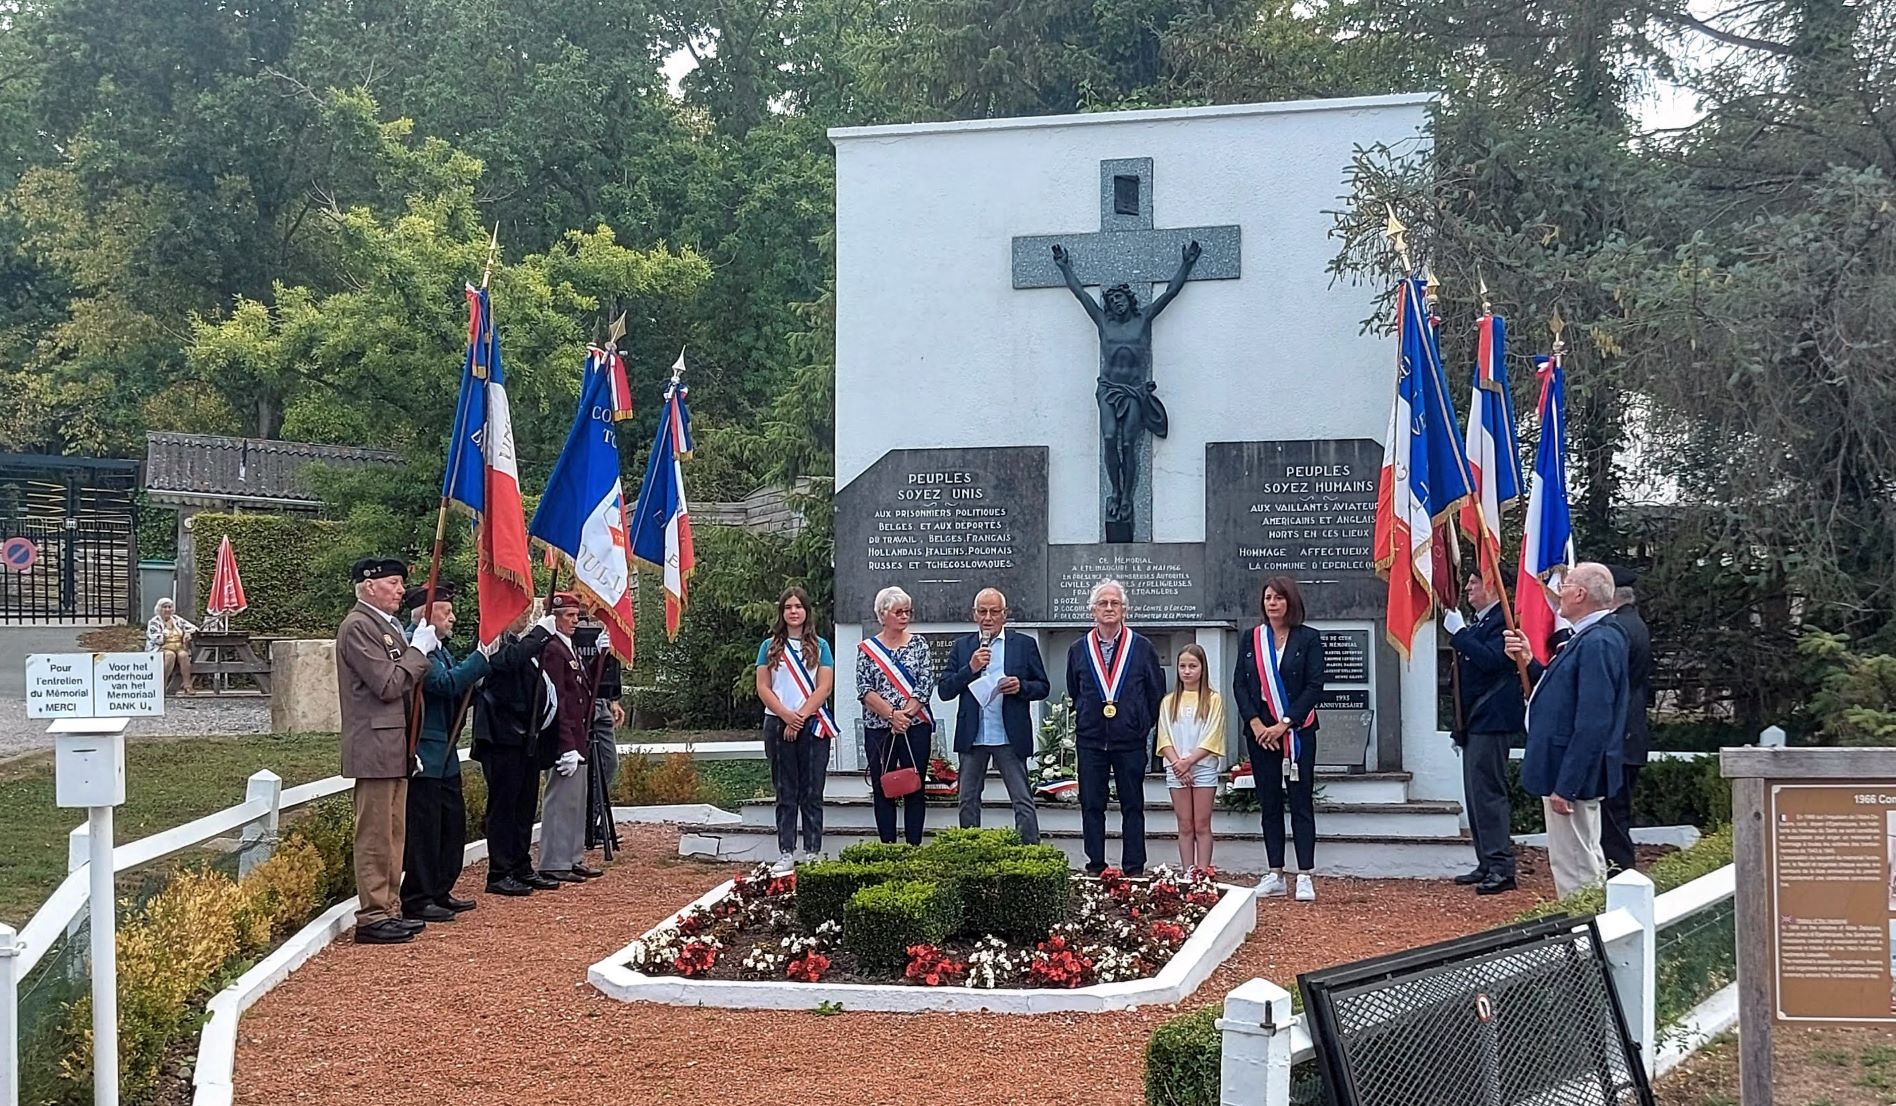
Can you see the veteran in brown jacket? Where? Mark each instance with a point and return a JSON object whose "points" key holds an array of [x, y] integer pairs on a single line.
{"points": [[377, 670]]}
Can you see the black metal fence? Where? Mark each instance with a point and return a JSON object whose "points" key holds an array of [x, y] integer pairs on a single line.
{"points": [[68, 540]]}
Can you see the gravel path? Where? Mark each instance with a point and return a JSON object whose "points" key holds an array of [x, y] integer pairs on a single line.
{"points": [[196, 716], [493, 1009]]}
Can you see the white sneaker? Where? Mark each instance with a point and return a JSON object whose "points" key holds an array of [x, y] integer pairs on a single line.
{"points": [[1271, 886], [1306, 889], [786, 863], [809, 856]]}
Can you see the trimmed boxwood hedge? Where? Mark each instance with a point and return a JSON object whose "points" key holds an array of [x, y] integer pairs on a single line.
{"points": [[1183, 1059], [824, 888], [881, 922]]}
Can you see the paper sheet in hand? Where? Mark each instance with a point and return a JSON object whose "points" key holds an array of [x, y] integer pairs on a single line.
{"points": [[986, 687]]}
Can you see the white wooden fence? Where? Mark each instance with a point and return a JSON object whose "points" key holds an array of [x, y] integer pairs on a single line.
{"points": [[1263, 1040]]}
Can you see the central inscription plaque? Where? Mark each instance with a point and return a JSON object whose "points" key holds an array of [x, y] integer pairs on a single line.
{"points": [[1165, 581], [1303, 509], [943, 524]]}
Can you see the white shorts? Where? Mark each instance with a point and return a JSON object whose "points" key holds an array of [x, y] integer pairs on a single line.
{"points": [[1204, 774]]}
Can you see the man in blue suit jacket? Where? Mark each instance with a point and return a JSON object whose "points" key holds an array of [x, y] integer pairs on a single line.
{"points": [[1492, 721], [1113, 732], [1002, 730], [1576, 724]]}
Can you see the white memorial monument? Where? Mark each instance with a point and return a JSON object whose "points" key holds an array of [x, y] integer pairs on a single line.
{"points": [[991, 430]]}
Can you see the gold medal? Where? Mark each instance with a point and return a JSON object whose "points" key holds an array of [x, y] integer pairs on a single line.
{"points": [[574, 664], [1111, 710], [387, 640]]}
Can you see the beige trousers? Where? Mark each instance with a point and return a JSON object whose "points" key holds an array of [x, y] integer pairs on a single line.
{"points": [[381, 829], [1573, 846]]}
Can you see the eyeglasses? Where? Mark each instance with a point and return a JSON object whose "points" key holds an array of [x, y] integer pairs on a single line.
{"points": [[903, 612], [1109, 602], [989, 610]]}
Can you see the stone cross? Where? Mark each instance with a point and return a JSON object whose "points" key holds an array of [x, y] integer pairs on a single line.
{"points": [[1127, 249]]}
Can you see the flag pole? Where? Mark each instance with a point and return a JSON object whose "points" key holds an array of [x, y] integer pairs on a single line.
{"points": [[1397, 236], [441, 514]]}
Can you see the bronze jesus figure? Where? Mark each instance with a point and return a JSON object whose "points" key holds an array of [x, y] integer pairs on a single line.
{"points": [[1128, 399]]}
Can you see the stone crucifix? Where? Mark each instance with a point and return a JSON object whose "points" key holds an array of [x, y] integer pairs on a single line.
{"points": [[1124, 254]]}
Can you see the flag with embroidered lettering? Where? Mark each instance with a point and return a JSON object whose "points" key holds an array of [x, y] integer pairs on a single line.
{"points": [[483, 475]]}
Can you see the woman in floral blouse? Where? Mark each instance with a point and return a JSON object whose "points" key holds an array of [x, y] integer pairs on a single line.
{"points": [[897, 728], [169, 636]]}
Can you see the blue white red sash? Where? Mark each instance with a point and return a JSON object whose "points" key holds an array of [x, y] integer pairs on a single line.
{"points": [[1271, 684], [1109, 681], [898, 674], [800, 675]]}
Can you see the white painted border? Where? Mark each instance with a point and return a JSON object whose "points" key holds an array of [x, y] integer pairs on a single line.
{"points": [[1678, 1041], [1211, 943], [1149, 115]]}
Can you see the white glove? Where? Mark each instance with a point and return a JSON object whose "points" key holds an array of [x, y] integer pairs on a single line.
{"points": [[546, 624], [1453, 622], [488, 648], [568, 763], [425, 639]]}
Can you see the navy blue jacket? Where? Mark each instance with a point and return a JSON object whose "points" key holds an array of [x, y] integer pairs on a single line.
{"points": [[1137, 708], [1490, 683], [442, 691], [1021, 660], [1301, 670], [1576, 721]]}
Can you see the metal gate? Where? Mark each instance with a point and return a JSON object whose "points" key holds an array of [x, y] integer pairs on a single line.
{"points": [[68, 540]]}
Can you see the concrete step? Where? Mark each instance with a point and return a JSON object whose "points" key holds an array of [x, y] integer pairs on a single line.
{"points": [[1367, 856], [1337, 787], [1416, 819]]}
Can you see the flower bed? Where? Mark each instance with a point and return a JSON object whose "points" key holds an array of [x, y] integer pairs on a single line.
{"points": [[1116, 930]]}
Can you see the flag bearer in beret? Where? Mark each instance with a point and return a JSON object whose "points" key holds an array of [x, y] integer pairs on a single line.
{"points": [[563, 749], [510, 707], [377, 669], [437, 815]]}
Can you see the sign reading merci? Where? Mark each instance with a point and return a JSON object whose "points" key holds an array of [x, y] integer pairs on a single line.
{"points": [[94, 685]]}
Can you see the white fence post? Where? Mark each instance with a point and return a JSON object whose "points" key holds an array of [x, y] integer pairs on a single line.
{"points": [[258, 840], [1635, 963], [1255, 1070], [1772, 737], [9, 1018], [78, 852]]}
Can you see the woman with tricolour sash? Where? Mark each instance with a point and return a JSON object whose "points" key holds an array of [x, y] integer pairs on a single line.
{"points": [[894, 679], [795, 673], [1277, 684]]}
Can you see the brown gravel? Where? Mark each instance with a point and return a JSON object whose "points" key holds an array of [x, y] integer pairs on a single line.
{"points": [[493, 1010]]}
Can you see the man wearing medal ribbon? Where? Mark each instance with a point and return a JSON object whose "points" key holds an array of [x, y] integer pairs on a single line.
{"points": [[1116, 683], [1277, 685], [563, 750]]}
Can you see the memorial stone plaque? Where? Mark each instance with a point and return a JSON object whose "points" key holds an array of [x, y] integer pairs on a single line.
{"points": [[1346, 656], [942, 524], [1344, 698], [1303, 509], [1165, 582]]}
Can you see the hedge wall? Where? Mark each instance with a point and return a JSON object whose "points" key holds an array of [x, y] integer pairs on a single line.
{"points": [[284, 561]]}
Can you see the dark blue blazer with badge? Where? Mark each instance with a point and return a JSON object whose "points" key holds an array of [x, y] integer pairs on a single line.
{"points": [[1136, 710], [1490, 683], [1020, 659], [1576, 721]]}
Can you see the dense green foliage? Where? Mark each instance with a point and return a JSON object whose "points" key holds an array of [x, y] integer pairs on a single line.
{"points": [[258, 220], [880, 923], [1182, 1060], [999, 886], [1670, 793]]}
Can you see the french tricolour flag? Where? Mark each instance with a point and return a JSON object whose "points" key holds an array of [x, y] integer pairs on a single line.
{"points": [[483, 475], [1494, 452], [661, 527], [1547, 543], [1424, 475], [582, 513]]}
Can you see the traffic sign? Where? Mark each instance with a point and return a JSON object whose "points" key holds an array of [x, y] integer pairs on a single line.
{"points": [[19, 553]]}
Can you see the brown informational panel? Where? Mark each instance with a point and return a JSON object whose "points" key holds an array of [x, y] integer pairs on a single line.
{"points": [[1830, 849]]}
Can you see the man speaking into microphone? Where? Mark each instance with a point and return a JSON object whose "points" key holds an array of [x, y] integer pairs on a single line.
{"points": [[995, 675]]}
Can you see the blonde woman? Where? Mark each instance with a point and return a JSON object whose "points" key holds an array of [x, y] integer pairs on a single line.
{"points": [[1192, 741], [169, 636]]}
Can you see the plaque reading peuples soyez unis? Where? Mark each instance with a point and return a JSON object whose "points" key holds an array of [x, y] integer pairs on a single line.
{"points": [[942, 524], [1165, 581], [1303, 509]]}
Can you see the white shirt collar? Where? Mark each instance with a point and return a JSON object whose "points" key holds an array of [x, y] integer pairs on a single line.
{"points": [[1589, 620], [1483, 612]]}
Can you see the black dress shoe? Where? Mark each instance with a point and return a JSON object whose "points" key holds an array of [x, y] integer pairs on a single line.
{"points": [[459, 906], [1494, 885], [584, 872], [509, 886], [429, 912], [565, 876], [412, 925], [388, 931], [1477, 876], [539, 882]]}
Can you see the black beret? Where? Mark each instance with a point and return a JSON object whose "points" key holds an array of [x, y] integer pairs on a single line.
{"points": [[1623, 577], [444, 593], [376, 568]]}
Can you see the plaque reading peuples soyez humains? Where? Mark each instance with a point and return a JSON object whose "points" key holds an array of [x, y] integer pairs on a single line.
{"points": [[942, 524], [1346, 656], [1303, 509], [1165, 581]]}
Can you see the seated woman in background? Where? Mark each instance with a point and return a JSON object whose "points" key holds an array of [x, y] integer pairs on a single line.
{"points": [[170, 637], [1192, 742]]}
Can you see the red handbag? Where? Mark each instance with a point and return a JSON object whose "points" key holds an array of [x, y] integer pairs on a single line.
{"points": [[897, 782]]}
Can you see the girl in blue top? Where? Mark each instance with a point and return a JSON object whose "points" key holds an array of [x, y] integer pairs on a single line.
{"points": [[795, 673]]}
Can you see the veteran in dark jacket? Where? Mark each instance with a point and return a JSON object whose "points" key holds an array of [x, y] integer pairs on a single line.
{"points": [[437, 813]]}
